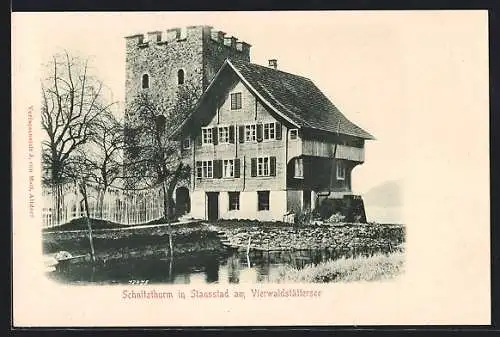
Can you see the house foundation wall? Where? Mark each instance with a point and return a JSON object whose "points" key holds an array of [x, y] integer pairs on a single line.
{"points": [[248, 207]]}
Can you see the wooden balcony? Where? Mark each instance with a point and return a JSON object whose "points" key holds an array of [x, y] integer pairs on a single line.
{"points": [[350, 153], [323, 149]]}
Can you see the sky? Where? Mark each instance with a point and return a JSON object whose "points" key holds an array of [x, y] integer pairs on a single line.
{"points": [[363, 61]]}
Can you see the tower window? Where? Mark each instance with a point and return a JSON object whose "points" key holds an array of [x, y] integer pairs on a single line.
{"points": [[180, 76], [145, 81]]}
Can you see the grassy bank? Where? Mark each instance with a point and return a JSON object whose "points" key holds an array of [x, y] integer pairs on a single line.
{"points": [[188, 238], [97, 224], [373, 268]]}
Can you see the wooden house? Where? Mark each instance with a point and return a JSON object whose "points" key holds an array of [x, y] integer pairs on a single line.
{"points": [[263, 143]]}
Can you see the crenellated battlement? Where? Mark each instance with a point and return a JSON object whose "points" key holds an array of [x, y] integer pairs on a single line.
{"points": [[178, 34]]}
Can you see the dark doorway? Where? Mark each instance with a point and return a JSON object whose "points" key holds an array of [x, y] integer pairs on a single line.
{"points": [[213, 205], [307, 200], [182, 201]]}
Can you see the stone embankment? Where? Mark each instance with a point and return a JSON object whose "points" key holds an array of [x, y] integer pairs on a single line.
{"points": [[327, 236], [135, 242]]}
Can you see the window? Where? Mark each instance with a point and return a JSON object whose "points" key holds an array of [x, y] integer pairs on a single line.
{"points": [[208, 169], [340, 170], [269, 131], [234, 201], [158, 37], [294, 134], [204, 169], [228, 168], [299, 168], [180, 76], [263, 167], [206, 135], [263, 200], [223, 134], [250, 133], [186, 143], [145, 81], [236, 101]]}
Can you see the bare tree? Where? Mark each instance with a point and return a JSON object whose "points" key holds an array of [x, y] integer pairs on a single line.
{"points": [[104, 158], [72, 101], [152, 159]]}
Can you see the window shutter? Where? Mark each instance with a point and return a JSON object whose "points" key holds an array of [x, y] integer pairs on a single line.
{"points": [[182, 146], [236, 167], [272, 166], [241, 133], [217, 169], [198, 164], [231, 134], [199, 139], [214, 136], [259, 132], [253, 169], [278, 131]]}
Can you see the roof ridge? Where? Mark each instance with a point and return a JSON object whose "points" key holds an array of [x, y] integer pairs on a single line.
{"points": [[267, 68]]}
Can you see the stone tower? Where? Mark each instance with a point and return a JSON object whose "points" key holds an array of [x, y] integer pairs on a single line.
{"points": [[168, 66], [166, 63]]}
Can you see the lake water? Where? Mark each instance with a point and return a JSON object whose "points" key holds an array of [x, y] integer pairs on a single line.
{"points": [[200, 268]]}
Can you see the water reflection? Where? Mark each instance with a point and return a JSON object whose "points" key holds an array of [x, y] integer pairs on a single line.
{"points": [[200, 268]]}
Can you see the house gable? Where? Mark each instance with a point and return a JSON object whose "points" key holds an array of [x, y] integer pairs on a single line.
{"points": [[251, 110]]}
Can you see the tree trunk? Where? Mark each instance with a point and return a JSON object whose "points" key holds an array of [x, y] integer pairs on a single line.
{"points": [[101, 201], [166, 214], [89, 225]]}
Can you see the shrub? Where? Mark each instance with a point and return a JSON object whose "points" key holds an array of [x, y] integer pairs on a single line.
{"points": [[336, 218], [304, 218]]}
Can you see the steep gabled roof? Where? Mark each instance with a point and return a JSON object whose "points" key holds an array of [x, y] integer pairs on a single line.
{"points": [[295, 98]]}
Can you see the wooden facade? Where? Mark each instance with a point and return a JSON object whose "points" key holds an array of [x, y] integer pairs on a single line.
{"points": [[241, 149]]}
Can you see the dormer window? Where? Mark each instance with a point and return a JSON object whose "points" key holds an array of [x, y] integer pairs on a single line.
{"points": [[236, 101], [180, 76], [145, 81]]}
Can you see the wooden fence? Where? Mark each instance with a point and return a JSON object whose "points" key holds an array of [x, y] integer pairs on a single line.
{"points": [[64, 203]]}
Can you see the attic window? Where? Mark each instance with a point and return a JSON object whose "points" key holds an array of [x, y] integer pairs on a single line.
{"points": [[236, 101], [294, 134], [145, 81]]}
